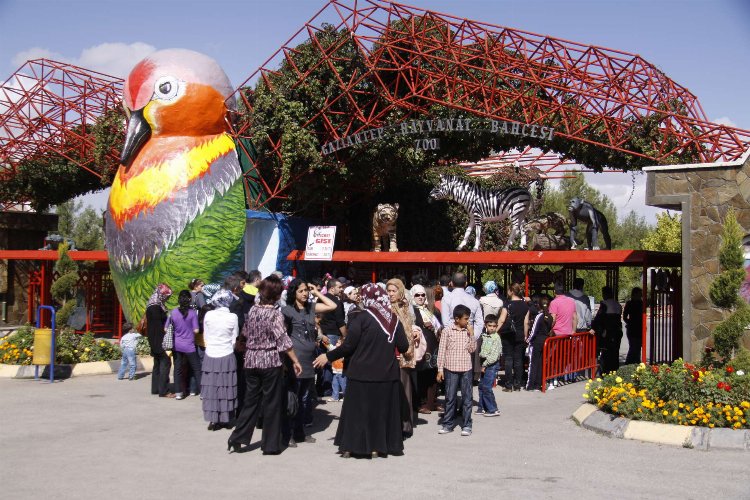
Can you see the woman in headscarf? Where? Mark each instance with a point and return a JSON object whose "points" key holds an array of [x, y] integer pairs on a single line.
{"points": [[156, 316], [370, 421], [426, 320], [401, 307], [219, 369]]}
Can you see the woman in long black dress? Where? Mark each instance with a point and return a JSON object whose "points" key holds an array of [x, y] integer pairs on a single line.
{"points": [[370, 420], [156, 316]]}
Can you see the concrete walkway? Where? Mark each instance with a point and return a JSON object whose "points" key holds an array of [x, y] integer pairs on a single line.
{"points": [[96, 437]]}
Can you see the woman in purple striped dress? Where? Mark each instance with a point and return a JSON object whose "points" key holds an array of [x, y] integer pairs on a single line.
{"points": [[267, 339]]}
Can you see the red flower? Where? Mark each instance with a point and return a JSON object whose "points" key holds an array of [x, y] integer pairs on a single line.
{"points": [[727, 387], [655, 369], [720, 385], [730, 369], [689, 367]]}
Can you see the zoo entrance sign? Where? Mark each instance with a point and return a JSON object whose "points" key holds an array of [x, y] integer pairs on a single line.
{"points": [[422, 127]]}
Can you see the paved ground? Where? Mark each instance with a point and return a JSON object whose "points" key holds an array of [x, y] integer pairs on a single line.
{"points": [[96, 437]]}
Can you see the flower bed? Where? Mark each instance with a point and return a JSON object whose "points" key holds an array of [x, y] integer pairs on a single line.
{"points": [[680, 393], [18, 348]]}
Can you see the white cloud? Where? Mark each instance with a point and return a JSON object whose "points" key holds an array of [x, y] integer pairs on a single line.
{"points": [[725, 120], [116, 59], [35, 53]]}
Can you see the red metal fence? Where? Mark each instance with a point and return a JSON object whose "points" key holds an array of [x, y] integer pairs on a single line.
{"points": [[568, 355]]}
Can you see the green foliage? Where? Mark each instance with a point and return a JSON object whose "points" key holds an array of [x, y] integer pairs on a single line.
{"points": [[666, 236], [728, 333], [83, 225], [109, 136], [72, 348], [143, 348], [724, 291], [741, 362]]}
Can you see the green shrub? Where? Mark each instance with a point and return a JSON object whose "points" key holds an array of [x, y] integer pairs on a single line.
{"points": [[143, 348], [725, 288], [741, 362]]}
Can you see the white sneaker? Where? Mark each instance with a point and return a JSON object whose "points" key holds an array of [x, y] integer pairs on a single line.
{"points": [[550, 387], [466, 431], [445, 430], [495, 413]]}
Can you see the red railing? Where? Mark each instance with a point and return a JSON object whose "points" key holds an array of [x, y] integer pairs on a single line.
{"points": [[567, 355]]}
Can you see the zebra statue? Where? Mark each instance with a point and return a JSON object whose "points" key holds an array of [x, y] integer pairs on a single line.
{"points": [[484, 205]]}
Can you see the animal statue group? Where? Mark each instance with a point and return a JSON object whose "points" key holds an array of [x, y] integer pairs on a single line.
{"points": [[176, 207], [384, 227], [547, 232], [581, 210], [485, 205]]}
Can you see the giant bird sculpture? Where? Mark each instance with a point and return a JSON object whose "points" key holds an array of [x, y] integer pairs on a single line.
{"points": [[176, 207]]}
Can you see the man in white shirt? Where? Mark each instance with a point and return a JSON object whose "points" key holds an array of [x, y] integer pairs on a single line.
{"points": [[583, 306], [459, 296]]}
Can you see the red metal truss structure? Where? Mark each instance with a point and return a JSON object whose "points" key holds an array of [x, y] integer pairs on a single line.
{"points": [[49, 106], [414, 58]]}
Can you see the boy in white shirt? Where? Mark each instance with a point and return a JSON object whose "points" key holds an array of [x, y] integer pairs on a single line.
{"points": [[128, 344]]}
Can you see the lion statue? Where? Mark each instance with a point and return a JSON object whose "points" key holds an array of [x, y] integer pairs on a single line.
{"points": [[384, 226]]}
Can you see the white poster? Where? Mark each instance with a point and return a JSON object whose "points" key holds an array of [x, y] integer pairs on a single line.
{"points": [[320, 242]]}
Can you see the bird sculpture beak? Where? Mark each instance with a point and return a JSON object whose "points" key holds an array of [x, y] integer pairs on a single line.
{"points": [[138, 133]]}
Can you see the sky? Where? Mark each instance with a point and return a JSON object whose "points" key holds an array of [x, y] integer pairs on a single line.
{"points": [[702, 45]]}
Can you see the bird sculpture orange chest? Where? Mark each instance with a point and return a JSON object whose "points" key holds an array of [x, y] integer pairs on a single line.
{"points": [[176, 207]]}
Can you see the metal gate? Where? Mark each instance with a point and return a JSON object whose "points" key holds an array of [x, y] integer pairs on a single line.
{"points": [[665, 323]]}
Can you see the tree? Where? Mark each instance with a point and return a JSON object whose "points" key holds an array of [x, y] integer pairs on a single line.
{"points": [[64, 288], [83, 225], [724, 291], [666, 236]]}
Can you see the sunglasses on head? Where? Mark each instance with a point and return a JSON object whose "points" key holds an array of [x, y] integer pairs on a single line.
{"points": [[420, 295]]}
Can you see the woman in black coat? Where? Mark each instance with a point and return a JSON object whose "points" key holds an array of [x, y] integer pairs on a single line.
{"points": [[370, 422], [156, 317]]}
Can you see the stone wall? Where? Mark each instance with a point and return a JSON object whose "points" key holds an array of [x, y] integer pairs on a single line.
{"points": [[704, 195]]}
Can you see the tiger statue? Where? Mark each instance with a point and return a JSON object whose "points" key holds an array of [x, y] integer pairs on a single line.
{"points": [[384, 226]]}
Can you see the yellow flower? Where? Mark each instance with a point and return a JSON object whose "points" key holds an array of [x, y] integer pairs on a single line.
{"points": [[618, 380], [665, 413], [87, 349], [711, 425], [745, 404], [585, 396]]}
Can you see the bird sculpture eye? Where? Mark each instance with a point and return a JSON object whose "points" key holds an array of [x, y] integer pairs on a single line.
{"points": [[166, 88]]}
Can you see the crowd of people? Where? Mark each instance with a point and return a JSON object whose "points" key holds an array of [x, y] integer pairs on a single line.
{"points": [[263, 352]]}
